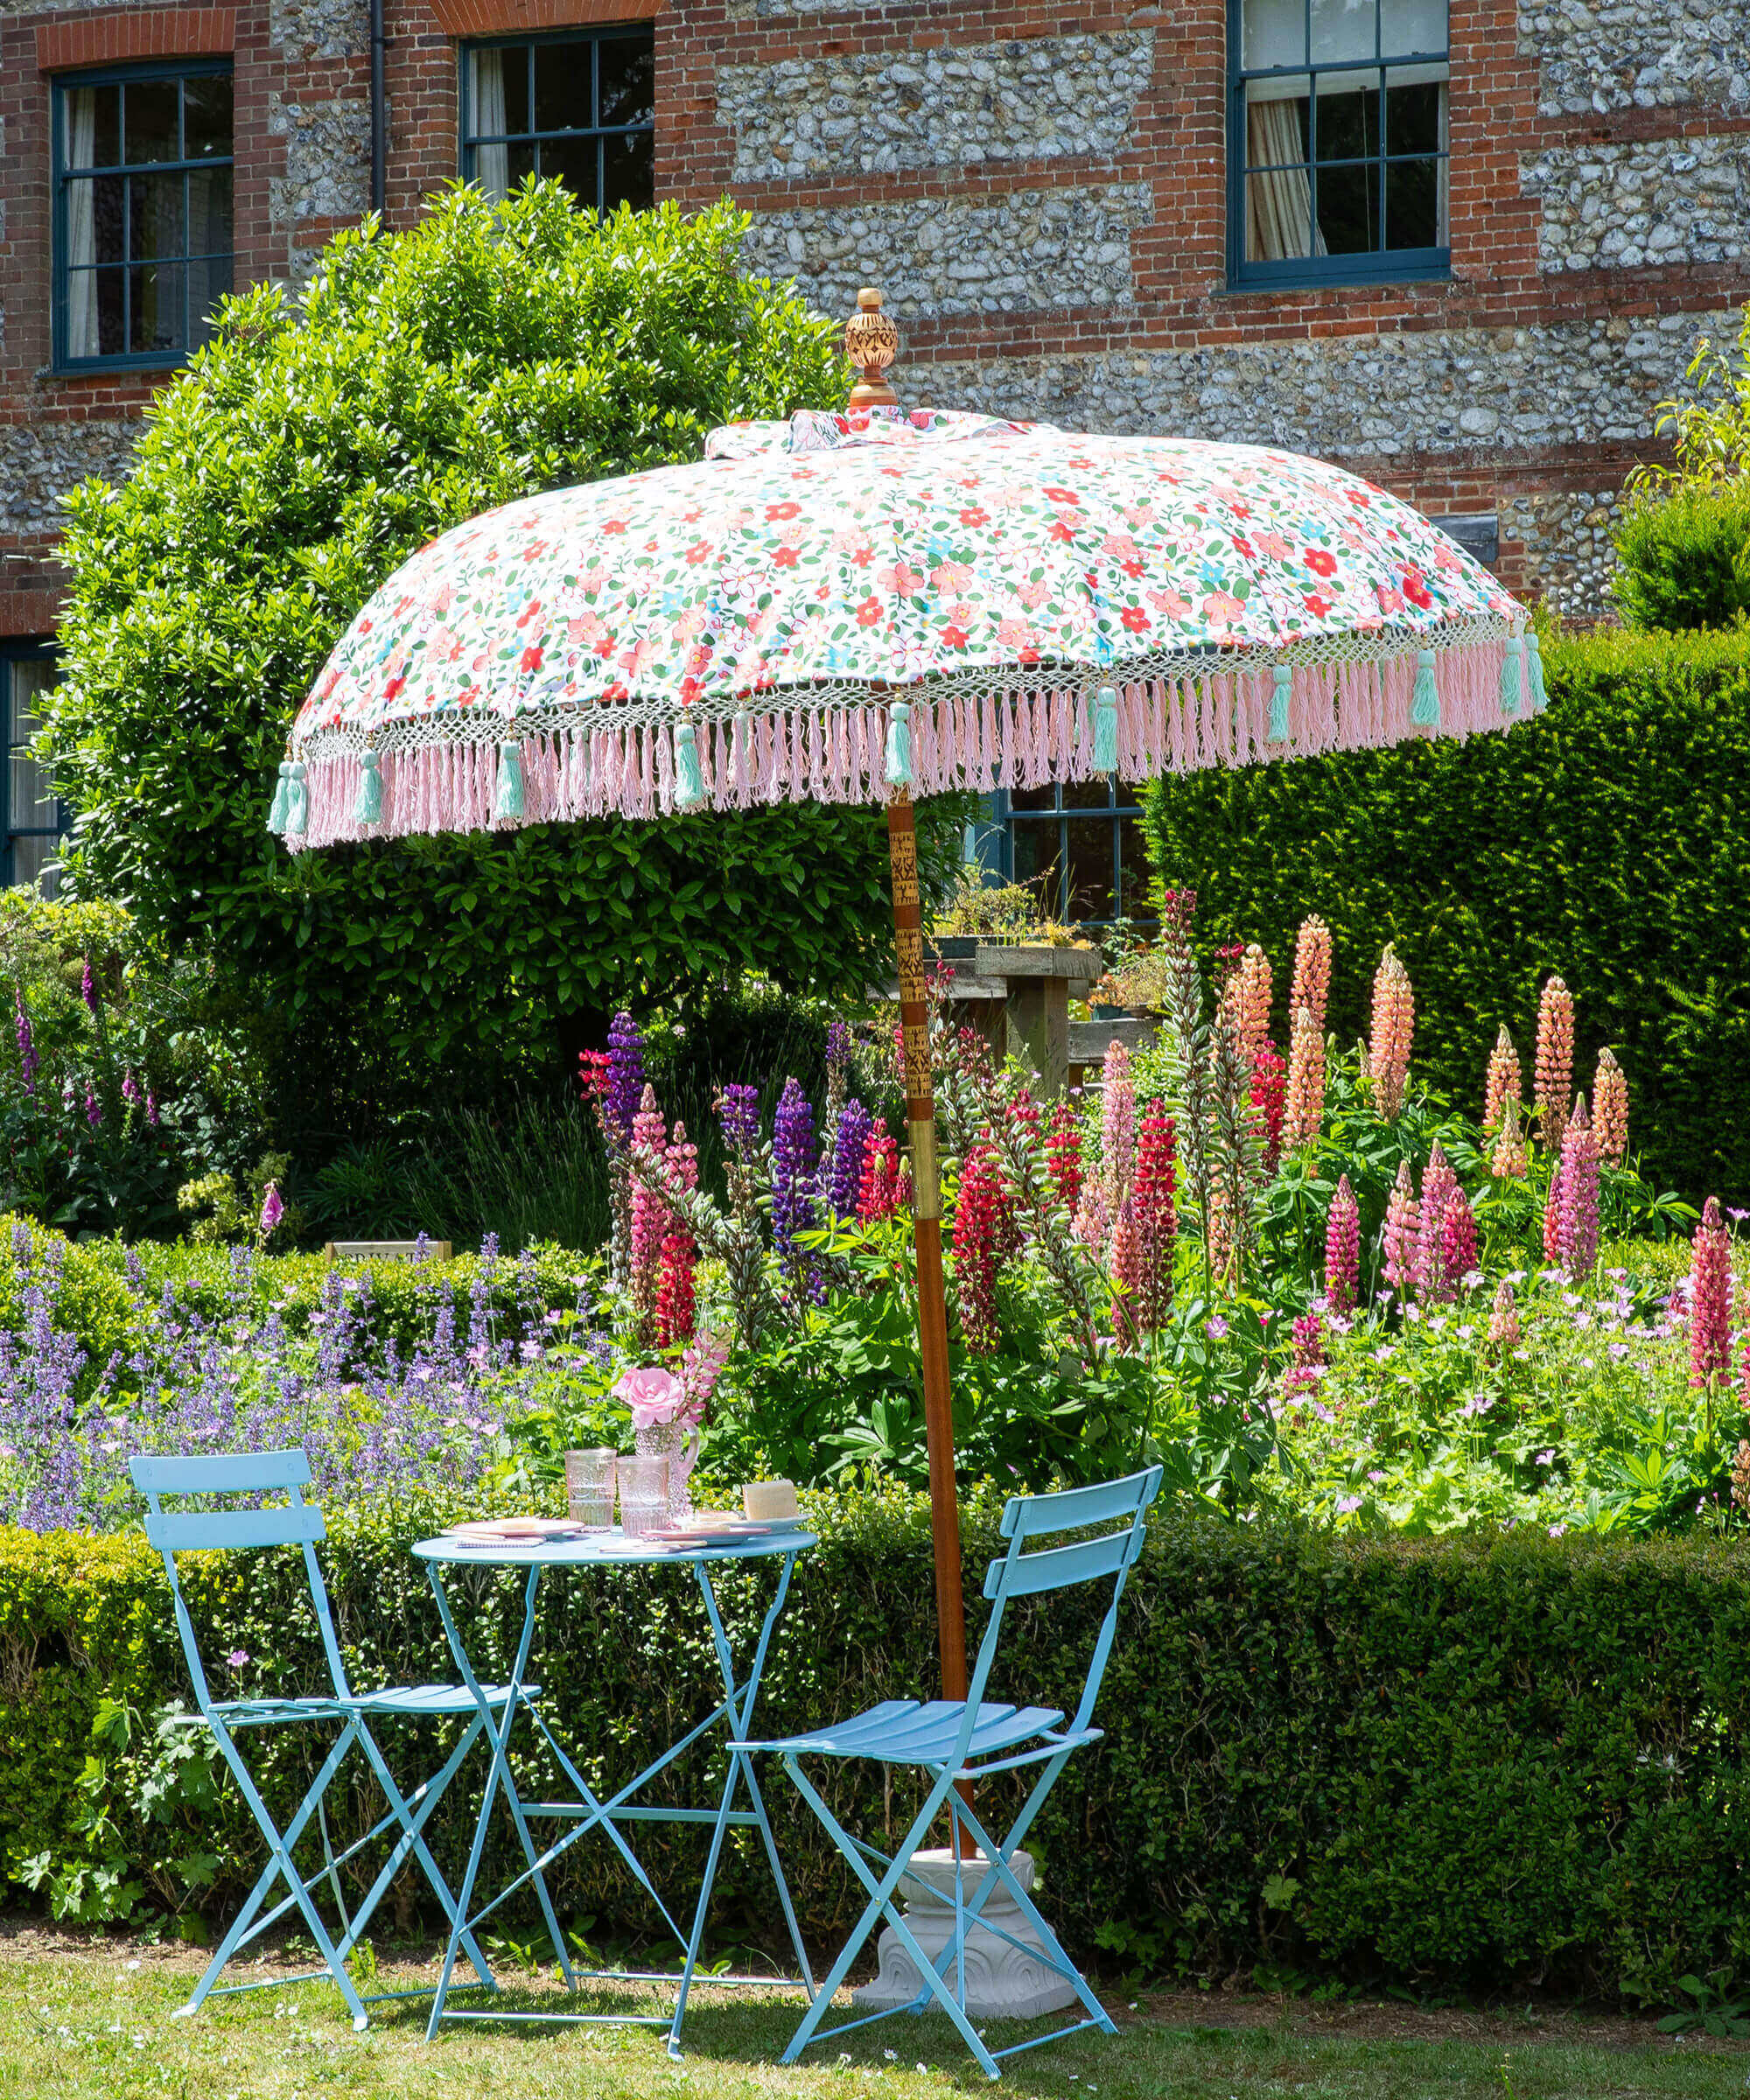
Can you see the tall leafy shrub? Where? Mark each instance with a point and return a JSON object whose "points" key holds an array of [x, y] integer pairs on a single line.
{"points": [[1683, 558], [421, 378], [1607, 841]]}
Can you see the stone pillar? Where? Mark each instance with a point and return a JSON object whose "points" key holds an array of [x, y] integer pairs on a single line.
{"points": [[1002, 1982]]}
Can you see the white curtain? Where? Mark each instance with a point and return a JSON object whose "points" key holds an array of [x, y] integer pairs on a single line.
{"points": [[492, 164], [1278, 203], [81, 226]]}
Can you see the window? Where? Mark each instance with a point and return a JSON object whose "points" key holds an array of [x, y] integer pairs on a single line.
{"points": [[580, 108], [1338, 141], [143, 211], [31, 821], [1081, 847]]}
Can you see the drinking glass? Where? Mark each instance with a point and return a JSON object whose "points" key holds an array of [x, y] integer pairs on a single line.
{"points": [[643, 1495], [589, 1487]]}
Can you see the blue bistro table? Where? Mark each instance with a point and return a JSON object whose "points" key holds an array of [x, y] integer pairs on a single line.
{"points": [[586, 1812]]}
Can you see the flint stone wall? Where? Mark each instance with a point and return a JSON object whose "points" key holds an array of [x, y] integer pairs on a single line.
{"points": [[328, 160], [1473, 390], [1033, 249], [1627, 206], [1644, 54], [40, 460], [1564, 543], [319, 29], [1041, 100]]}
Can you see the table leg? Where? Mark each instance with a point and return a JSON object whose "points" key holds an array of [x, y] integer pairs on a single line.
{"points": [[497, 1776], [739, 1701]]}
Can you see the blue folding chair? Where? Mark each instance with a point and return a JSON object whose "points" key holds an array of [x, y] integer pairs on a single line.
{"points": [[942, 1737], [298, 1523]]}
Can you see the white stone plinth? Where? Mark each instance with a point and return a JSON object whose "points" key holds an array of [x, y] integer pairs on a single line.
{"points": [[1002, 1982]]}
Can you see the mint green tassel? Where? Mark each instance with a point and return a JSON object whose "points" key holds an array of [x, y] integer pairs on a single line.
{"points": [[368, 804], [1278, 705], [1424, 701], [297, 802], [280, 807], [1534, 665], [1105, 731], [899, 745], [509, 802], [1512, 676], [689, 782]]}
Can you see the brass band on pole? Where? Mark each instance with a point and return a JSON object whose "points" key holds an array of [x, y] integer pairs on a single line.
{"points": [[902, 842]]}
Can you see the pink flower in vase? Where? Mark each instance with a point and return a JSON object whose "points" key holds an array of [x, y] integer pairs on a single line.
{"points": [[654, 1397]]}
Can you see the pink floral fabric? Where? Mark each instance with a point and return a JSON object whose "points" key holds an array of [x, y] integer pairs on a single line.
{"points": [[865, 554]]}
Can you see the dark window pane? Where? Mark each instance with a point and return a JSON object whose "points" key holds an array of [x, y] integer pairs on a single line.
{"points": [[1348, 209], [208, 283], [112, 326], [155, 217], [209, 214], [148, 130], [1033, 798], [1413, 116], [628, 81], [576, 163], [1342, 29], [562, 87], [1090, 867], [1279, 215], [207, 116], [1413, 204], [108, 221], [155, 321], [1349, 117], [630, 173], [1134, 872], [1086, 795], [1037, 861], [520, 160]]}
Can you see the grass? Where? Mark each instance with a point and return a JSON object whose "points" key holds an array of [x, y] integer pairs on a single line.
{"points": [[84, 2019]]}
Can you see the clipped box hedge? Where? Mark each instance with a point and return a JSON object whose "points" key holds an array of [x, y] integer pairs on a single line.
{"points": [[1453, 1760], [1608, 842]]}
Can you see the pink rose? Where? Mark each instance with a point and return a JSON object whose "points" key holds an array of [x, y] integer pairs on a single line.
{"points": [[653, 1396]]}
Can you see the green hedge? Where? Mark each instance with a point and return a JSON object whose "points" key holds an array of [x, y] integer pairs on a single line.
{"points": [[1609, 842], [1454, 1761]]}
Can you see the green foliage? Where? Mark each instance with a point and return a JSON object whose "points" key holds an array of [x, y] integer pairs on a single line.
{"points": [[1685, 557], [1447, 1763], [1607, 841], [486, 354], [1710, 430], [122, 1068]]}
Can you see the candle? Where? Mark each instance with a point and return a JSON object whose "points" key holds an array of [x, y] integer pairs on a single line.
{"points": [[766, 1500]]}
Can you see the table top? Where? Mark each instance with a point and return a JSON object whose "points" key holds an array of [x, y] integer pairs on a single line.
{"points": [[593, 1551]]}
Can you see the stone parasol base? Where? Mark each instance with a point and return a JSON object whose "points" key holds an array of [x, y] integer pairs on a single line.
{"points": [[1001, 1983]]}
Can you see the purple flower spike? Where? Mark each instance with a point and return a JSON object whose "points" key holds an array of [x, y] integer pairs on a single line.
{"points": [[738, 1111], [794, 1163], [855, 1124], [273, 1210], [838, 1044], [28, 1060], [625, 1075], [93, 1113], [87, 986]]}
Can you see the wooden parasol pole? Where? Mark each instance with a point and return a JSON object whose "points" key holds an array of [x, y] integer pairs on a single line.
{"points": [[871, 342], [909, 942]]}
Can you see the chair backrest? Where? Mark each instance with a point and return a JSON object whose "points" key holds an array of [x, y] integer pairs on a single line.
{"points": [[293, 1523], [1108, 1555]]}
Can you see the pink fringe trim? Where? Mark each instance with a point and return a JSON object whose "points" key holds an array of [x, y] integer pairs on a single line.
{"points": [[1009, 740]]}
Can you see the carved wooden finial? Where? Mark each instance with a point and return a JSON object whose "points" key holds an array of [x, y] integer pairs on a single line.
{"points": [[872, 342]]}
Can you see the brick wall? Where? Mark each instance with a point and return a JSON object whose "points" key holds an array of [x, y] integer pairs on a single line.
{"points": [[1047, 201]]}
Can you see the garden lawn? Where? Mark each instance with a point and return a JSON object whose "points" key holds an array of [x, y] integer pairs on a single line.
{"points": [[78, 2019]]}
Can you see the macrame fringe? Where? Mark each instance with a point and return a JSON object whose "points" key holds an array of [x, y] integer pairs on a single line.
{"points": [[1015, 740]]}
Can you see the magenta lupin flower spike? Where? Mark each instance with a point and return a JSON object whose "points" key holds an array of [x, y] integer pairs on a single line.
{"points": [[1576, 1210], [1458, 1244], [1343, 1249], [1402, 1233], [1439, 1187], [1710, 1299]]}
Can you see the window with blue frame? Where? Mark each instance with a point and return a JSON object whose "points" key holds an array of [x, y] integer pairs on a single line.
{"points": [[1338, 141], [580, 108], [31, 821], [142, 235], [1080, 847]]}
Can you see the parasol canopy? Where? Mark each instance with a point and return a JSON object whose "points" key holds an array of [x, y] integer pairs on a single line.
{"points": [[831, 607], [854, 607]]}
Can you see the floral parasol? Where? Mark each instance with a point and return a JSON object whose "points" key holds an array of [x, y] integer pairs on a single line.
{"points": [[831, 607]]}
